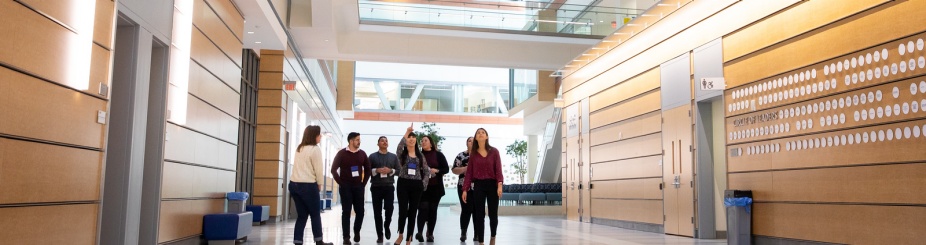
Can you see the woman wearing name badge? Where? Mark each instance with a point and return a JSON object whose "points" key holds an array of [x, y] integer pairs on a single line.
{"points": [[484, 176], [414, 174]]}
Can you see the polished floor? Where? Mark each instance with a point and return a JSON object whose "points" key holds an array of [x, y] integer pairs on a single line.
{"points": [[511, 230]]}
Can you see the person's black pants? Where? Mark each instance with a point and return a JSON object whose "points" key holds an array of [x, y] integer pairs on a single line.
{"points": [[351, 196], [483, 191], [466, 210], [308, 203], [427, 211], [409, 193], [382, 195]]}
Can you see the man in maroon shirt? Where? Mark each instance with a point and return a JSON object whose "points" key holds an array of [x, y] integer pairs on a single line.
{"points": [[351, 169]]}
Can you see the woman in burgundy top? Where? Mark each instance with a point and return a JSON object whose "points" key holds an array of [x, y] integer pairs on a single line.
{"points": [[484, 176]]}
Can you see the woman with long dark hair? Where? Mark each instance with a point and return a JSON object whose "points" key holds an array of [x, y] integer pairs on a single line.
{"points": [[484, 176], [414, 174], [304, 187], [466, 209], [430, 199]]}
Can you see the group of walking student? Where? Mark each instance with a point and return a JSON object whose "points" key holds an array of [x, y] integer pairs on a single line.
{"points": [[420, 169]]}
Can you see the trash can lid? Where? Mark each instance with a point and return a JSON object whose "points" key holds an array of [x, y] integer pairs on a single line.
{"points": [[737, 193], [236, 196]]}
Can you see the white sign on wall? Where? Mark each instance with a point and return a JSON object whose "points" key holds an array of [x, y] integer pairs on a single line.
{"points": [[713, 83]]}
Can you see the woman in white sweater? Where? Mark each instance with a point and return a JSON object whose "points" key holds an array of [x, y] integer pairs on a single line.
{"points": [[304, 185]]}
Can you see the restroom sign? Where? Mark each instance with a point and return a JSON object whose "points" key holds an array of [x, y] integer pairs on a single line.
{"points": [[713, 83]]}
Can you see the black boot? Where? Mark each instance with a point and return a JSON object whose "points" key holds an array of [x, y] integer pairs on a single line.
{"points": [[419, 237], [388, 233], [357, 236], [323, 243]]}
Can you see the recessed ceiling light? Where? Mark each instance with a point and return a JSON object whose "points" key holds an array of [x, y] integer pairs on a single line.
{"points": [[326, 40], [250, 32], [256, 42]]}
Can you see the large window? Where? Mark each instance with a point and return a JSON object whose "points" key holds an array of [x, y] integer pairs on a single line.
{"points": [[374, 94]]}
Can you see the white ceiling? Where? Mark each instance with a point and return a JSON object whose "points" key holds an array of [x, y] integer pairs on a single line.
{"points": [[336, 34]]}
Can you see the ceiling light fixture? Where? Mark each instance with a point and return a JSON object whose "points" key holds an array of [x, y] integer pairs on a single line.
{"points": [[258, 42], [250, 32]]}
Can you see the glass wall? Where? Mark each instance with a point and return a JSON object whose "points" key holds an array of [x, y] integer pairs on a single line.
{"points": [[523, 86], [428, 96]]}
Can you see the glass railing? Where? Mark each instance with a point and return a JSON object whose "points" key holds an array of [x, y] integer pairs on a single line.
{"points": [[525, 16], [523, 86]]}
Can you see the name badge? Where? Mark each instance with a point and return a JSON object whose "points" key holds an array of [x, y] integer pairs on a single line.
{"points": [[412, 169], [355, 171]]}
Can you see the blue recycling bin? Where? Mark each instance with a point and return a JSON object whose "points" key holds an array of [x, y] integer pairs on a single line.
{"points": [[236, 202]]}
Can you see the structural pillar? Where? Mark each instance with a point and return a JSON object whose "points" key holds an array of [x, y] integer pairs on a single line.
{"points": [[270, 164]]}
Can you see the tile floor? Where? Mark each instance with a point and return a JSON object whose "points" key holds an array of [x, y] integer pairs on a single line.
{"points": [[511, 230]]}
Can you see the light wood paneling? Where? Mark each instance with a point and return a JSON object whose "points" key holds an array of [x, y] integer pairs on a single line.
{"points": [[645, 211], [864, 107], [630, 168], [209, 23], [230, 16], [642, 125], [269, 151], [646, 103], [866, 184], [640, 84], [188, 181], [100, 68], [104, 22], [213, 59], [35, 172], [270, 97], [271, 115], [889, 150], [62, 116], [636, 147], [268, 169], [628, 189], [47, 49], [271, 63], [831, 41], [268, 187], [270, 80], [184, 218], [205, 118], [271, 133], [840, 70], [846, 224], [60, 224], [800, 18], [76, 14], [208, 87], [192, 147]]}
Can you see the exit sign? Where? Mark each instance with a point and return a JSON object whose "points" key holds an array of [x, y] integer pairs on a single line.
{"points": [[290, 87], [713, 83]]}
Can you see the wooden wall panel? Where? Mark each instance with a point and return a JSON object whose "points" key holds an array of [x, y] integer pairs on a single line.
{"points": [[268, 187], [269, 151], [879, 25], [271, 133], [846, 224], [35, 172], [641, 146], [800, 18], [628, 189], [863, 184], [184, 218], [48, 111], [46, 49], [633, 127], [269, 169], [229, 14], [206, 20], [643, 104], [188, 181], [640, 84], [213, 59], [76, 14], [60, 224], [858, 149], [644, 211], [270, 97], [271, 115], [206, 86], [864, 107], [205, 118], [630, 168], [192, 147], [776, 91], [275, 203]]}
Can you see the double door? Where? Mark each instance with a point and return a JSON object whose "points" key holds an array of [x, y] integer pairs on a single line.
{"points": [[677, 171]]}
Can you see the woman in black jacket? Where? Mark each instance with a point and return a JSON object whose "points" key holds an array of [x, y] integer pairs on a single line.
{"points": [[430, 199]]}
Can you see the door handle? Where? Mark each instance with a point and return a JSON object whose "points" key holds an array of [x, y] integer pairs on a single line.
{"points": [[679, 156], [673, 157]]}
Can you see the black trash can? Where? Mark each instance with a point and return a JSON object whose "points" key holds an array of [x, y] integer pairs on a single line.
{"points": [[738, 205]]}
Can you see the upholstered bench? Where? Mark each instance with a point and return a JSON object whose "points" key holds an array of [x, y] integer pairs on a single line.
{"points": [[261, 213], [227, 228]]}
